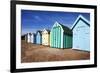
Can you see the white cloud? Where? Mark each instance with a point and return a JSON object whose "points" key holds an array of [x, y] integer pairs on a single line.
{"points": [[37, 18]]}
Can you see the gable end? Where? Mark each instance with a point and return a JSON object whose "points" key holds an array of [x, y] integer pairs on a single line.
{"points": [[78, 21]]}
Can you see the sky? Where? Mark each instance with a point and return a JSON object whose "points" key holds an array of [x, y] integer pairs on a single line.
{"points": [[32, 20]]}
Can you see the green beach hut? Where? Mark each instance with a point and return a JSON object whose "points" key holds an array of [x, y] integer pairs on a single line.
{"points": [[60, 36]]}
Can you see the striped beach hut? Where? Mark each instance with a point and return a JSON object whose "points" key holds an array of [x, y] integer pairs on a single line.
{"points": [[46, 37], [81, 34], [60, 36], [31, 37], [39, 37]]}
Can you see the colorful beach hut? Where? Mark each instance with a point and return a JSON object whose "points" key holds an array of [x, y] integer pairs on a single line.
{"points": [[33, 38], [81, 34], [39, 37], [60, 36], [46, 37]]}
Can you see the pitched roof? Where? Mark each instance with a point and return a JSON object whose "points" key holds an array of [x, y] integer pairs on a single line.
{"points": [[80, 17], [23, 35], [47, 30], [30, 33], [39, 32], [66, 29]]}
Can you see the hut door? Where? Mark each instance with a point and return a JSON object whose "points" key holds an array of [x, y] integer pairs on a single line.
{"points": [[58, 37], [76, 39], [84, 38], [55, 37]]}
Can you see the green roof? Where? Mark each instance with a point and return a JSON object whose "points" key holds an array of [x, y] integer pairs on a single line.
{"points": [[66, 29]]}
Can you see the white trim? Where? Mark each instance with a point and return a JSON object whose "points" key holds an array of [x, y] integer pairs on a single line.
{"points": [[51, 64], [80, 16], [62, 32], [62, 37]]}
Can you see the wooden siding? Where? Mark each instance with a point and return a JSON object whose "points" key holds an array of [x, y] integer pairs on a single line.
{"points": [[38, 37], [58, 38], [81, 34], [45, 37], [28, 38]]}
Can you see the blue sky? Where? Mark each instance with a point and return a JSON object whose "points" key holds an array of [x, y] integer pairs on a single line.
{"points": [[32, 20]]}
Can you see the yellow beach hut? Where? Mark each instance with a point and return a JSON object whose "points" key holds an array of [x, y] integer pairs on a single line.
{"points": [[46, 37]]}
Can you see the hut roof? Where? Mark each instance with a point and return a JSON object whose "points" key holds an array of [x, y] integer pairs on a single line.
{"points": [[80, 17], [66, 29], [39, 32], [47, 30]]}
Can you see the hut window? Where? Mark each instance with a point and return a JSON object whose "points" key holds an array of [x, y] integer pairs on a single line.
{"points": [[80, 26]]}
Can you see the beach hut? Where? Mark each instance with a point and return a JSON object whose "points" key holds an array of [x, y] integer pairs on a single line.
{"points": [[60, 36], [46, 37], [81, 34], [24, 37], [39, 37], [33, 38], [28, 37]]}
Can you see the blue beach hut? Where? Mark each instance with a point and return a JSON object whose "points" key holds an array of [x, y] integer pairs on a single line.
{"points": [[39, 37], [81, 34]]}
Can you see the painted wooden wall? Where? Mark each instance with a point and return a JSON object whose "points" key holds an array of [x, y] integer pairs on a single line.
{"points": [[81, 34], [58, 38], [38, 37], [28, 38], [45, 37], [33, 38], [67, 41]]}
